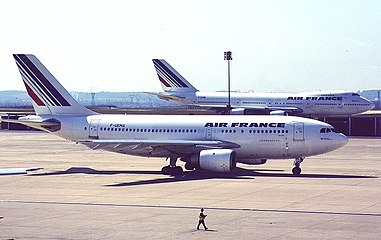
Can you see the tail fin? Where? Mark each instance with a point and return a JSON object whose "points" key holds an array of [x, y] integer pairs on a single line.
{"points": [[47, 94], [170, 79]]}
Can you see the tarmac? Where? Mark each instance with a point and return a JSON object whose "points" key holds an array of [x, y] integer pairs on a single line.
{"points": [[87, 194]]}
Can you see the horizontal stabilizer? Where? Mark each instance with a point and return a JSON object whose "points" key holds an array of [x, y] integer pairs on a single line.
{"points": [[48, 125], [168, 97]]}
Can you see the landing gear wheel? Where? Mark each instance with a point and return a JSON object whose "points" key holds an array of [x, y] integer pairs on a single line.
{"points": [[189, 166], [296, 170], [177, 171], [166, 170], [174, 171]]}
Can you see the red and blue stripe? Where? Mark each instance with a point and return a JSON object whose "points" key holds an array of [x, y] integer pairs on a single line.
{"points": [[39, 88]]}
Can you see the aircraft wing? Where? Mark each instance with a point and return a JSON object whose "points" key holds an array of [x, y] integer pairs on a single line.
{"points": [[158, 147], [270, 109], [253, 107]]}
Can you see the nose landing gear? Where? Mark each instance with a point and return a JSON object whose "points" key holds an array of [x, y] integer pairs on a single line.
{"points": [[297, 170]]}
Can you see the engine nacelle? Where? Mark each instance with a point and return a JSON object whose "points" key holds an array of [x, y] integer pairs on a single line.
{"points": [[237, 111], [279, 113], [253, 161], [215, 160]]}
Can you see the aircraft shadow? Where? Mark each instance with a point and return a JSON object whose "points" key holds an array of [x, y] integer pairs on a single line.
{"points": [[87, 170], [239, 173]]}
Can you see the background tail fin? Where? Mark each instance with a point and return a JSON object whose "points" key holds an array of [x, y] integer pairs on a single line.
{"points": [[170, 79], [47, 94]]}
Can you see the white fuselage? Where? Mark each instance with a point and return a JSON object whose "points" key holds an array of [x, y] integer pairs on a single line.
{"points": [[276, 137], [315, 104]]}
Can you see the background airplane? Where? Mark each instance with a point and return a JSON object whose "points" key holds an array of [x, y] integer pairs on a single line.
{"points": [[316, 104], [214, 143]]}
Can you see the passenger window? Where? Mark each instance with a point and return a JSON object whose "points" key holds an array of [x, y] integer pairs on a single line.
{"points": [[322, 130]]}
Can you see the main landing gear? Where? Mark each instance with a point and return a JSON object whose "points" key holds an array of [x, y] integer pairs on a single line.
{"points": [[172, 169], [297, 170]]}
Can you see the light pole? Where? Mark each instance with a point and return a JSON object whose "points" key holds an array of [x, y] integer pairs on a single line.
{"points": [[228, 56]]}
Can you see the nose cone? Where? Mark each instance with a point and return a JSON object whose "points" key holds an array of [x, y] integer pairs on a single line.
{"points": [[338, 140], [341, 140], [371, 106], [368, 105]]}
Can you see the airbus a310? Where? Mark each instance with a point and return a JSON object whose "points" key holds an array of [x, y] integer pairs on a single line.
{"points": [[213, 143]]}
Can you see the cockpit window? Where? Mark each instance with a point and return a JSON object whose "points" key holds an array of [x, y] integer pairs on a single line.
{"points": [[355, 94], [328, 130]]}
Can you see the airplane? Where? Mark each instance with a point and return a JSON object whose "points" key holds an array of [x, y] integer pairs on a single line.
{"points": [[313, 104], [210, 142]]}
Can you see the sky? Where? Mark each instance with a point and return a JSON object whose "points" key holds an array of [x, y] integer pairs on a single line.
{"points": [[277, 45]]}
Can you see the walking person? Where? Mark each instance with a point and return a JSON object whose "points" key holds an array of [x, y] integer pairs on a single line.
{"points": [[201, 219]]}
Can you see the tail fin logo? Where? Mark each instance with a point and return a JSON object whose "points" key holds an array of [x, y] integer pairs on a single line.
{"points": [[39, 88], [168, 76]]}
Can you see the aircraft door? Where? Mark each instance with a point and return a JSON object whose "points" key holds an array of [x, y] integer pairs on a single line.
{"points": [[298, 131], [208, 133], [309, 104], [93, 129]]}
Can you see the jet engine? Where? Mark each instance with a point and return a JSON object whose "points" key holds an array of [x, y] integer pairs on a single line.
{"points": [[237, 111], [215, 160], [279, 113]]}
